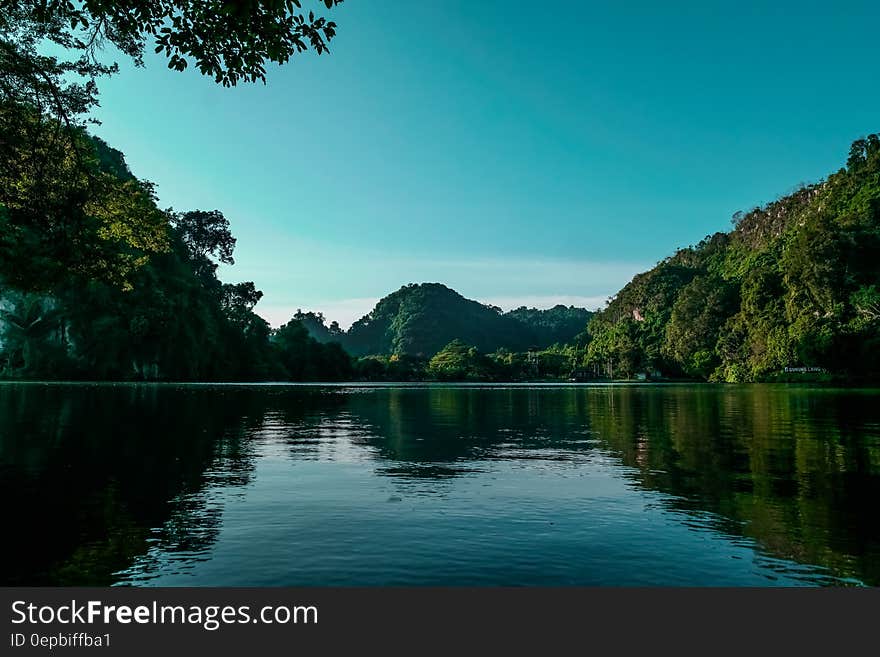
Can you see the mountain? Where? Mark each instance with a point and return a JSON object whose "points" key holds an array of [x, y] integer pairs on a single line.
{"points": [[420, 319], [795, 284]]}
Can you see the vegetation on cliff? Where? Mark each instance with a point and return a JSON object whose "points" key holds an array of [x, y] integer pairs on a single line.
{"points": [[795, 285]]}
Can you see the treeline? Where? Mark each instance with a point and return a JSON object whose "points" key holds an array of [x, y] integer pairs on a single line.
{"points": [[459, 361], [795, 285]]}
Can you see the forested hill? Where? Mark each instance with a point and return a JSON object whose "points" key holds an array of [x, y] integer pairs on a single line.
{"points": [[133, 294], [420, 319], [795, 284]]}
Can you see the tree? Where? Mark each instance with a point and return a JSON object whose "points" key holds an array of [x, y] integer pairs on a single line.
{"points": [[315, 324], [240, 297], [458, 360], [62, 210], [206, 234], [862, 151], [229, 41]]}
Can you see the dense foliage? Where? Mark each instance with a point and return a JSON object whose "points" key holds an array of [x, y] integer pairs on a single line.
{"points": [[306, 359], [557, 325], [793, 286], [229, 41], [458, 360]]}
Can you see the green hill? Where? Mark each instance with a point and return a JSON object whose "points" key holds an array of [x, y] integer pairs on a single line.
{"points": [[795, 284], [420, 319]]}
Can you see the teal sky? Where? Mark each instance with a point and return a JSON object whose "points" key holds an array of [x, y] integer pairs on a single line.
{"points": [[519, 152]]}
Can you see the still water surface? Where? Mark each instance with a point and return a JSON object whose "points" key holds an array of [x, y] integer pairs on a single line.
{"points": [[439, 485]]}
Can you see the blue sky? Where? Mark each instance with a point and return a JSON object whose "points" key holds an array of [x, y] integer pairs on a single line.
{"points": [[519, 152]]}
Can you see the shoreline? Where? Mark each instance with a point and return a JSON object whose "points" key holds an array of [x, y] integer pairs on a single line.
{"points": [[440, 383]]}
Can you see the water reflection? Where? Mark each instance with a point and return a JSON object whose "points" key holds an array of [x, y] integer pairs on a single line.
{"points": [[87, 472], [111, 484]]}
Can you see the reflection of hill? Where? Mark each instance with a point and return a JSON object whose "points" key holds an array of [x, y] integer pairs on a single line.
{"points": [[797, 471], [457, 425], [86, 472]]}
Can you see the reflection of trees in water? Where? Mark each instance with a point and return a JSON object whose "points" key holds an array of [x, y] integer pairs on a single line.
{"points": [[796, 470], [254, 414], [87, 471], [304, 419], [96, 477], [450, 428]]}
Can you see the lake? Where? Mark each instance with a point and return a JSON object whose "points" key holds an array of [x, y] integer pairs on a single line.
{"points": [[520, 485]]}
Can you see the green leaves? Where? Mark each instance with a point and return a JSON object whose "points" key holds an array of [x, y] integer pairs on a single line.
{"points": [[72, 208], [229, 41], [458, 360], [866, 301]]}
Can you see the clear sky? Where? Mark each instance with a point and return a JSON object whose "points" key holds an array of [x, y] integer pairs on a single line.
{"points": [[520, 152]]}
